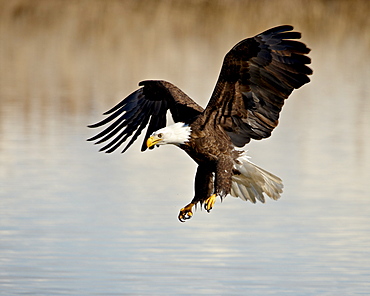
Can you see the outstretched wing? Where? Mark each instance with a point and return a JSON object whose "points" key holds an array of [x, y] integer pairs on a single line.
{"points": [[146, 106], [257, 75]]}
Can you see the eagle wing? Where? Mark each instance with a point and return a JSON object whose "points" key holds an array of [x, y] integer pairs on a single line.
{"points": [[146, 106], [257, 75]]}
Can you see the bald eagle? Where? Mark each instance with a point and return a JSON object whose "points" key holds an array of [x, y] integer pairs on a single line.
{"points": [[257, 75]]}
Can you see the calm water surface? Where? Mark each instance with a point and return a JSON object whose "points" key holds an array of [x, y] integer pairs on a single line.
{"points": [[77, 222]]}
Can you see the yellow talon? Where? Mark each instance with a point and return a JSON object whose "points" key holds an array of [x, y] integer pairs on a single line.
{"points": [[209, 202], [186, 212]]}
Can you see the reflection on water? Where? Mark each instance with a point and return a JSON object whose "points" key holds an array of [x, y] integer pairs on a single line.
{"points": [[76, 222]]}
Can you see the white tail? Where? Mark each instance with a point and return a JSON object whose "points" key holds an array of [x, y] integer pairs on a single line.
{"points": [[253, 181]]}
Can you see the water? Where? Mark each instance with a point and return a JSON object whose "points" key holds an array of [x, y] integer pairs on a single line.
{"points": [[77, 222]]}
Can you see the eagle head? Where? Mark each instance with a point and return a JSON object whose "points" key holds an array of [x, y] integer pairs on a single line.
{"points": [[176, 134]]}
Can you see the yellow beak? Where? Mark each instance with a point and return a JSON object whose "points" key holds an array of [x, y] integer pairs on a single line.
{"points": [[152, 141]]}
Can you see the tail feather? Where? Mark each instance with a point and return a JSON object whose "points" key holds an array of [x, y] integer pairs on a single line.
{"points": [[253, 182]]}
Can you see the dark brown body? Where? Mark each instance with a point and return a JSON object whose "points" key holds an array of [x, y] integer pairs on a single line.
{"points": [[212, 150]]}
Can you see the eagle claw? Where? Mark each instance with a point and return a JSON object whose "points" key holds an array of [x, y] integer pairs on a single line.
{"points": [[186, 213], [209, 202]]}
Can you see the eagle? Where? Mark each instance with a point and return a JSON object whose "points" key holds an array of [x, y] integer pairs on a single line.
{"points": [[257, 75]]}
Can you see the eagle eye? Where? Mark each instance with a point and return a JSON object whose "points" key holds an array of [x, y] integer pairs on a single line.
{"points": [[160, 135]]}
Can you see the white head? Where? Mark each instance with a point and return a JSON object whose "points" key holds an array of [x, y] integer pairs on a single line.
{"points": [[176, 134]]}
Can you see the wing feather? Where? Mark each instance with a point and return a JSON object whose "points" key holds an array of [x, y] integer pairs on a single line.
{"points": [[145, 107], [256, 77]]}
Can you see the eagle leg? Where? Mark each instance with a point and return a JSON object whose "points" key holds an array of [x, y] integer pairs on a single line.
{"points": [[186, 212], [209, 202]]}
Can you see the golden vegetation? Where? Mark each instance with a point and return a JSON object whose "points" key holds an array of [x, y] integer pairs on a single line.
{"points": [[78, 53]]}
